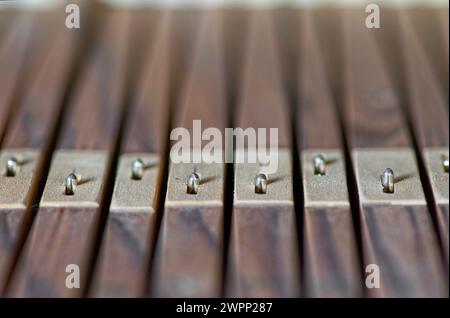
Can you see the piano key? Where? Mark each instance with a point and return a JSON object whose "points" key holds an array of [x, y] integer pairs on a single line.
{"points": [[29, 130], [409, 260], [122, 269], [331, 261], [264, 219], [12, 55], [426, 25], [427, 109], [66, 227], [189, 256], [397, 230]]}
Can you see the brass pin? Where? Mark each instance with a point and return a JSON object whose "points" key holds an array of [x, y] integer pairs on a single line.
{"points": [[71, 183], [445, 164], [319, 165], [387, 181], [192, 183], [12, 167], [137, 169], [261, 183]]}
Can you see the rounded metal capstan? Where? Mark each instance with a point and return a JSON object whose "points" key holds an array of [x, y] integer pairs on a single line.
{"points": [[261, 183], [70, 184], [193, 182], [319, 165], [387, 181], [137, 169], [445, 164], [12, 167]]}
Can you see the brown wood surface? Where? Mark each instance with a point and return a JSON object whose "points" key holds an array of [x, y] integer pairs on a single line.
{"points": [[66, 235], [59, 238], [409, 261], [13, 47], [124, 257], [317, 118], [262, 92], [427, 105], [203, 95], [426, 23], [262, 248], [29, 128], [400, 240], [426, 102], [254, 269], [330, 250], [190, 249], [373, 111], [147, 124]]}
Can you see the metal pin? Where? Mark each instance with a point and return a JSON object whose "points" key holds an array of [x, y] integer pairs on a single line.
{"points": [[71, 184], [319, 165], [445, 164], [193, 182], [387, 181], [12, 167], [261, 183], [137, 169]]}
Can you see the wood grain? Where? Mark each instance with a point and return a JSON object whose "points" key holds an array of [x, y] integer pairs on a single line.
{"points": [[29, 128], [124, 256], [65, 235], [373, 112], [190, 244], [12, 54], [330, 250], [408, 259], [263, 255], [317, 118], [262, 89], [426, 102], [400, 240], [426, 23]]}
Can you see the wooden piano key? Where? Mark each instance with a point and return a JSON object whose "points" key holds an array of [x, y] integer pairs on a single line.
{"points": [[124, 256], [331, 261], [189, 255], [12, 54], [65, 231], [30, 132], [426, 24], [396, 228], [263, 256], [428, 112]]}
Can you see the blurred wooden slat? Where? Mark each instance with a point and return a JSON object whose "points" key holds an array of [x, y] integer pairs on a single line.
{"points": [[189, 253], [124, 257], [253, 269], [330, 250], [426, 23], [12, 55], [428, 111], [65, 233], [34, 121], [409, 259]]}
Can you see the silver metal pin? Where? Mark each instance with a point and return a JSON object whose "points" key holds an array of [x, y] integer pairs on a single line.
{"points": [[387, 181], [445, 164], [261, 183], [319, 165], [71, 183], [12, 167], [137, 169], [192, 183]]}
